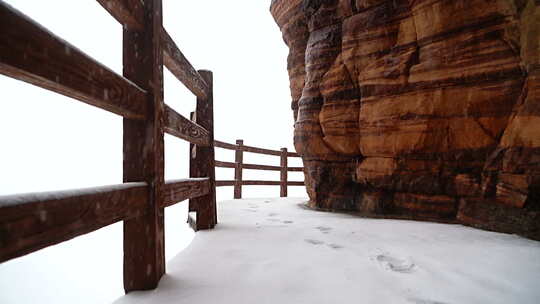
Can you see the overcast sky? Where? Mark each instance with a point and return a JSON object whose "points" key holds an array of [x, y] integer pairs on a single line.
{"points": [[51, 142]]}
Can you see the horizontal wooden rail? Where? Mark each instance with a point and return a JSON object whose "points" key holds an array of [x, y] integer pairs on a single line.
{"points": [[223, 164], [127, 12], [224, 183], [295, 169], [260, 150], [179, 126], [179, 190], [180, 67], [34, 221], [256, 183], [293, 154], [261, 167], [224, 145], [30, 53], [260, 183]]}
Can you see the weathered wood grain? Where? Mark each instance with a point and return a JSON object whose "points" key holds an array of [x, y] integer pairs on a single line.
{"points": [[295, 169], [260, 183], [144, 255], [224, 145], [30, 53], [239, 162], [128, 13], [269, 183], [192, 172], [34, 221], [222, 164], [181, 127], [293, 154], [224, 183], [260, 150], [283, 173], [180, 67], [261, 167], [176, 191], [202, 161]]}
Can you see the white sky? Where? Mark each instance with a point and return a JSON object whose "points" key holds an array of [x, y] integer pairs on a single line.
{"points": [[51, 142]]}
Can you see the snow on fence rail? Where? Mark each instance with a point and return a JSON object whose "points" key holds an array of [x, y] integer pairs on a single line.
{"points": [[239, 165], [30, 222]]}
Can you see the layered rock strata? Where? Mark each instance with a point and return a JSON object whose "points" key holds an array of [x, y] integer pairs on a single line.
{"points": [[419, 108]]}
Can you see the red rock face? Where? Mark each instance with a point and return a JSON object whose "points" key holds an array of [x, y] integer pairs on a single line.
{"points": [[419, 108]]}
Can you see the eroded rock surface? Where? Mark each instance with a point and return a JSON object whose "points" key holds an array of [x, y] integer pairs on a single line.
{"points": [[419, 108]]}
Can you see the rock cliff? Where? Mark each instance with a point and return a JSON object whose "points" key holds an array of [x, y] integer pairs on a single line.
{"points": [[428, 109]]}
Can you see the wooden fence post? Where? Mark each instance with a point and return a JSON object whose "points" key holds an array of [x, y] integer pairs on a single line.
{"points": [[239, 160], [202, 163], [284, 172], [192, 168], [144, 258]]}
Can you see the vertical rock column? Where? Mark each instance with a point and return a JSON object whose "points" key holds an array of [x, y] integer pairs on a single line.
{"points": [[325, 112]]}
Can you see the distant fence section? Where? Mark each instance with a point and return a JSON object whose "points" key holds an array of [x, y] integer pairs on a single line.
{"points": [[238, 165]]}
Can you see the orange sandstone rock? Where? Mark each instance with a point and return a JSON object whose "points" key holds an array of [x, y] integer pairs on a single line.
{"points": [[409, 106]]}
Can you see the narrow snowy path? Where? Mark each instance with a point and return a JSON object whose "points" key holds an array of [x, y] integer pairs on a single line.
{"points": [[274, 251]]}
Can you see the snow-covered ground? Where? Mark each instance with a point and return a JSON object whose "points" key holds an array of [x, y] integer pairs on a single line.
{"points": [[274, 251]]}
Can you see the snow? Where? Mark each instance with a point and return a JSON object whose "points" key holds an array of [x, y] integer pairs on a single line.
{"points": [[275, 251], [180, 180], [25, 198]]}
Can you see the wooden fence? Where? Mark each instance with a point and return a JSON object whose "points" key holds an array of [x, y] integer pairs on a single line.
{"points": [[239, 166], [30, 222]]}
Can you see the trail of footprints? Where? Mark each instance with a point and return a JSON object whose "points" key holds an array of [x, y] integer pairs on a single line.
{"points": [[324, 230], [272, 217], [386, 260]]}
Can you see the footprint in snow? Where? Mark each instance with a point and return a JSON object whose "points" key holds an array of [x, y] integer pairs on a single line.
{"points": [[335, 246], [250, 210], [288, 222], [273, 220], [324, 229], [273, 214], [314, 242], [396, 264]]}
